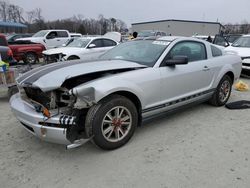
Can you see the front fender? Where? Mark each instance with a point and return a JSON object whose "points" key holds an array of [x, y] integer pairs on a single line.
{"points": [[97, 90]]}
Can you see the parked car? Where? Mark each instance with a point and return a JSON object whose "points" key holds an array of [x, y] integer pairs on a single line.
{"points": [[231, 38], [241, 47], [107, 99], [77, 48], [24, 51], [13, 37], [49, 38]]}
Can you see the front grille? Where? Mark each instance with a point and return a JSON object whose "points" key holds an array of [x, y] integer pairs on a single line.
{"points": [[37, 95], [246, 64], [51, 58]]}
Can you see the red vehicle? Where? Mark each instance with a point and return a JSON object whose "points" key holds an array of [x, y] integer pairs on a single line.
{"points": [[26, 51]]}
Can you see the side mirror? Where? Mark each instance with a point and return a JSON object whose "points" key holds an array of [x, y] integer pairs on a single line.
{"points": [[92, 46], [177, 60]]}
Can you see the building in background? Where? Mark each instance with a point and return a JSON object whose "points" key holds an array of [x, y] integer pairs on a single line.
{"points": [[181, 27], [12, 27]]}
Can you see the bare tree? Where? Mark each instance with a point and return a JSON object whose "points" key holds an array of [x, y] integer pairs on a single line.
{"points": [[3, 10]]}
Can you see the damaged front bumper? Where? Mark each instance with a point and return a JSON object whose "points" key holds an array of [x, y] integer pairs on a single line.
{"points": [[46, 129]]}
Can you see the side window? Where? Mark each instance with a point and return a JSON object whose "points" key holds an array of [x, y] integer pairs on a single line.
{"points": [[158, 34], [107, 42], [216, 51], [62, 34], [52, 35], [98, 43], [194, 51]]}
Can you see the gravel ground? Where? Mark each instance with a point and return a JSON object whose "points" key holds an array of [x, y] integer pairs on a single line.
{"points": [[203, 146]]}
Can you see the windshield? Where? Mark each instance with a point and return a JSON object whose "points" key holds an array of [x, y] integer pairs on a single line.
{"points": [[242, 42], [146, 34], [9, 36], [79, 43], [40, 34], [145, 52]]}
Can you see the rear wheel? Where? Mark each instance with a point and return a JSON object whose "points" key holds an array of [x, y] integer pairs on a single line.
{"points": [[30, 58], [113, 122], [222, 93]]}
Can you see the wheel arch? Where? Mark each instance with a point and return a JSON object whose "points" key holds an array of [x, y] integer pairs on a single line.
{"points": [[231, 75], [131, 96], [73, 56]]}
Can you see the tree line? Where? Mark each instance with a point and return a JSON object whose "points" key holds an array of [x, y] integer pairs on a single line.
{"points": [[77, 23]]}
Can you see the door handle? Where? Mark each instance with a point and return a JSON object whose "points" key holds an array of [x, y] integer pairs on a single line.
{"points": [[206, 68], [58, 40]]}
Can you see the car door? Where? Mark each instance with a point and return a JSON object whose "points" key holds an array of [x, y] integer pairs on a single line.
{"points": [[96, 45], [182, 81], [56, 38]]}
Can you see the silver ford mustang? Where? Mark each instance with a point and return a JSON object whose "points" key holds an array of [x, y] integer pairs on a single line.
{"points": [[106, 99]]}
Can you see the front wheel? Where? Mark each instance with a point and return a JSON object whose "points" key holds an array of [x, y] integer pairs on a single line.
{"points": [[30, 58], [223, 91], [113, 122]]}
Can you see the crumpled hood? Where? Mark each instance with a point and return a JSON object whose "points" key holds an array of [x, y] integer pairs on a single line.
{"points": [[63, 50], [52, 76]]}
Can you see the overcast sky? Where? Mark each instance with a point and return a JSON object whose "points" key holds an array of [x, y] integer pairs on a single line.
{"points": [[132, 11]]}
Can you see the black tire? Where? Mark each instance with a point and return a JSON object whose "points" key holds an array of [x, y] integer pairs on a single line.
{"points": [[73, 57], [30, 58], [12, 91], [216, 100], [97, 114]]}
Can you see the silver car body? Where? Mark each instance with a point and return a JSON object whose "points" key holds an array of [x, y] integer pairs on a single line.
{"points": [[158, 89]]}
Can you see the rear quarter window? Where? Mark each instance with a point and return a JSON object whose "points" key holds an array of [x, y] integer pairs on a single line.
{"points": [[216, 52], [62, 34]]}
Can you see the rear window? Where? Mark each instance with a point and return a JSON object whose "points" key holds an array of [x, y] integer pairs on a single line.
{"points": [[216, 51], [62, 34]]}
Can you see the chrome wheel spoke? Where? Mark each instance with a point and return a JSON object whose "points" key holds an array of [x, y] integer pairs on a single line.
{"points": [[120, 114], [125, 118], [108, 130], [110, 133], [117, 134], [107, 121], [120, 130], [109, 116]]}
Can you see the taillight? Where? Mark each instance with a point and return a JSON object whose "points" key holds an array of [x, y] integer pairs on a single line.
{"points": [[9, 53]]}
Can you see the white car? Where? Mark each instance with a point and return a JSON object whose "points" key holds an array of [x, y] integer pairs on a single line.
{"points": [[49, 38], [241, 47], [79, 48]]}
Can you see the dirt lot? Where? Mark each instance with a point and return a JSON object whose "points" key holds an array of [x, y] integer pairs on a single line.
{"points": [[200, 147]]}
